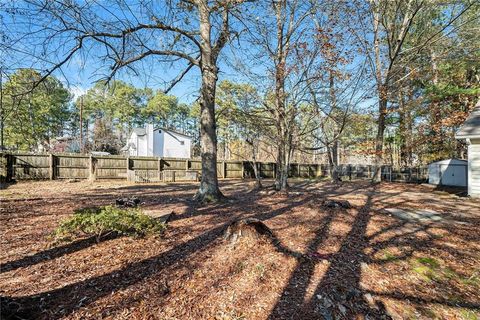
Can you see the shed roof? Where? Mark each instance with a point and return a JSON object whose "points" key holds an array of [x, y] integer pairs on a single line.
{"points": [[450, 161], [471, 127]]}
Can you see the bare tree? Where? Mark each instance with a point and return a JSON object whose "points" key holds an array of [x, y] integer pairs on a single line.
{"points": [[124, 36], [384, 43], [278, 48]]}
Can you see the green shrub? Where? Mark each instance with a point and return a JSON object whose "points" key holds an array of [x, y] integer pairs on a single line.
{"points": [[100, 222]]}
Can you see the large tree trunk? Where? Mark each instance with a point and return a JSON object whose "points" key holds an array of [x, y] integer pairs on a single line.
{"points": [[209, 191]]}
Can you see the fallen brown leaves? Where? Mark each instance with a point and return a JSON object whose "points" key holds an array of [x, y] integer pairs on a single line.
{"points": [[324, 263]]}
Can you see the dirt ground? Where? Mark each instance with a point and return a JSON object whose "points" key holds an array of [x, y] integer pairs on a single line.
{"points": [[327, 263]]}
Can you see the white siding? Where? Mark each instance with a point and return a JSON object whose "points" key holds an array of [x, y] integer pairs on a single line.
{"points": [[474, 169], [158, 143], [173, 146], [142, 146], [150, 140]]}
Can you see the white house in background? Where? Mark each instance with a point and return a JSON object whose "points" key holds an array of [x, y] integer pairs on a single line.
{"points": [[470, 131], [158, 142], [449, 172]]}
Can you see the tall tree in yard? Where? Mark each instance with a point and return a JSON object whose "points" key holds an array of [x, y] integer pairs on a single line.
{"points": [[396, 17], [279, 51], [189, 33], [387, 42]]}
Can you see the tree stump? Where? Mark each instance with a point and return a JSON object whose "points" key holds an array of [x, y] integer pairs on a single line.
{"points": [[328, 203], [249, 228]]}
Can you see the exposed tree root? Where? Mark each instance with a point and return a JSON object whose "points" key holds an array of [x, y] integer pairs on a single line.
{"points": [[206, 197]]}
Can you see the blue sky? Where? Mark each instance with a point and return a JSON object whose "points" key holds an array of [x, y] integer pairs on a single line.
{"points": [[85, 68]]}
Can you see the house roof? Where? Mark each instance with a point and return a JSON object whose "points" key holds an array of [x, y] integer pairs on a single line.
{"points": [[471, 127], [173, 131], [142, 131]]}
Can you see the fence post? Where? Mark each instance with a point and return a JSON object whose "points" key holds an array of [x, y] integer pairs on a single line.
{"points": [[10, 168], [224, 170], [4, 171], [51, 166], [129, 178], [187, 165], [243, 169], [159, 168], [92, 172]]}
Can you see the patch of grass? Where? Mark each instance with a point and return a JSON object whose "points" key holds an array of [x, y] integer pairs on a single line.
{"points": [[469, 315], [100, 222], [431, 262], [427, 268], [388, 256], [473, 280], [430, 269]]}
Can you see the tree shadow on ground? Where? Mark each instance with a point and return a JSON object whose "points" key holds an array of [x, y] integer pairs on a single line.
{"points": [[52, 253], [341, 280], [61, 302], [339, 292], [457, 191]]}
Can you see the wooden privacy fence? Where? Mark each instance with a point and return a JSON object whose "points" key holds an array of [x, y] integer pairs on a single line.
{"points": [[28, 166]]}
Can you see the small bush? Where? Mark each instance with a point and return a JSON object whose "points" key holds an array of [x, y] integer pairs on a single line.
{"points": [[100, 222]]}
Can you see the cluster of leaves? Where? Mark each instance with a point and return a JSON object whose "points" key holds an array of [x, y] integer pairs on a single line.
{"points": [[100, 222]]}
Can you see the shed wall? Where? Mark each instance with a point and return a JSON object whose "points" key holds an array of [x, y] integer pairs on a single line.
{"points": [[448, 173]]}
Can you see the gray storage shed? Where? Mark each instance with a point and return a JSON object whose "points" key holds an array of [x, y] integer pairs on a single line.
{"points": [[470, 131], [450, 172]]}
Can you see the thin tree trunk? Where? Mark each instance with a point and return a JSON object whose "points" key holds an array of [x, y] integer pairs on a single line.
{"points": [[258, 179], [382, 112], [382, 97]]}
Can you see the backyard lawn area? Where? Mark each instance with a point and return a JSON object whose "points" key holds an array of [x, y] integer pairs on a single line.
{"points": [[402, 251]]}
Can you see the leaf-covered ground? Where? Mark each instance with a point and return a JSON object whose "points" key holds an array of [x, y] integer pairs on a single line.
{"points": [[330, 263]]}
